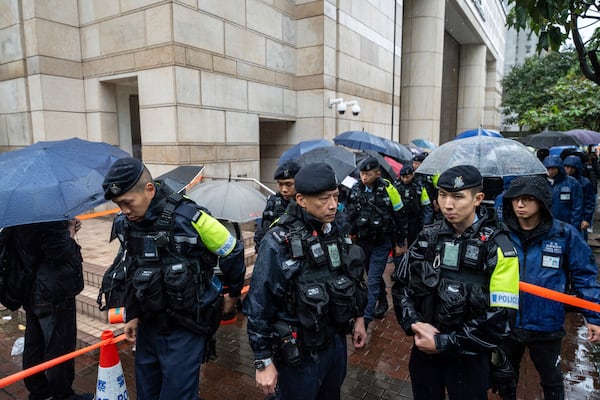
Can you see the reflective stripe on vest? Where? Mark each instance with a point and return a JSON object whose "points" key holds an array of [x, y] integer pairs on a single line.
{"points": [[394, 196], [214, 235], [504, 283]]}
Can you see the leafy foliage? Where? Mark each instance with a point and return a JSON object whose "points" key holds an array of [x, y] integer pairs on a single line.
{"points": [[554, 20]]}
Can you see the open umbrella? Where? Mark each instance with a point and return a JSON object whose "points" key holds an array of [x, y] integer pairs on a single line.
{"points": [[397, 151], [229, 200], [294, 152], [182, 177], [585, 136], [548, 139], [341, 160], [388, 171], [424, 144], [477, 132], [492, 156], [360, 140], [53, 180]]}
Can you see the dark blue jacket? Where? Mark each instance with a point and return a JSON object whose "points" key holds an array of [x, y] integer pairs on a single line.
{"points": [[567, 194], [546, 255], [589, 195]]}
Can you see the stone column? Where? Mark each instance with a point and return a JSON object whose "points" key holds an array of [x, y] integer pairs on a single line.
{"points": [[422, 60], [471, 87]]}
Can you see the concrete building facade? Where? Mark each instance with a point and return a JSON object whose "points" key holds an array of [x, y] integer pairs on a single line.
{"points": [[230, 84]]}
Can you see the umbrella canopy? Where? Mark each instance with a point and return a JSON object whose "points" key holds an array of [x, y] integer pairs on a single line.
{"points": [[548, 139], [360, 140], [397, 151], [229, 200], [585, 136], [181, 177], [424, 144], [341, 160], [477, 132], [492, 156], [294, 152], [53, 180]]}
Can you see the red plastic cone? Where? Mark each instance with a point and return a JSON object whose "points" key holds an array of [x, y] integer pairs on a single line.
{"points": [[111, 381]]}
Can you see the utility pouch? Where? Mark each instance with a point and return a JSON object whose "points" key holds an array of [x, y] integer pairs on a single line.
{"points": [[342, 304], [180, 288], [149, 290], [423, 277], [451, 308], [288, 344], [312, 308]]}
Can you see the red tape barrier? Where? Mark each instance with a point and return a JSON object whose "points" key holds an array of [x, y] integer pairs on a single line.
{"points": [[9, 380], [558, 296]]}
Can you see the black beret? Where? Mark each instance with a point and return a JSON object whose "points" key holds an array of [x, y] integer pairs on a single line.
{"points": [[419, 157], [407, 170], [368, 164], [121, 177], [459, 178], [315, 178], [287, 170]]}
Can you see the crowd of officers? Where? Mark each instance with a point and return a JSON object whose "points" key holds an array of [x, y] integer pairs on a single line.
{"points": [[455, 283]]}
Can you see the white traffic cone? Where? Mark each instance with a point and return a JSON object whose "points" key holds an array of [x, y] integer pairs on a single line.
{"points": [[111, 381]]}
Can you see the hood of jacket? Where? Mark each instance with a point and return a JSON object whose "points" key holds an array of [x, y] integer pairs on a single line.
{"points": [[574, 161], [535, 186], [556, 161]]}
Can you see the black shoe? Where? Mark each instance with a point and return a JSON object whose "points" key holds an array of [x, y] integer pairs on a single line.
{"points": [[381, 309]]}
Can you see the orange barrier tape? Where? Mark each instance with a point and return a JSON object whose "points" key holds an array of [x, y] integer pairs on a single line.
{"points": [[9, 380], [558, 296], [98, 214]]}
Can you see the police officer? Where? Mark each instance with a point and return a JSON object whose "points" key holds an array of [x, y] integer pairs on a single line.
{"points": [[374, 210], [549, 251], [428, 182], [307, 292], [277, 203], [417, 205], [455, 291], [567, 194], [173, 301]]}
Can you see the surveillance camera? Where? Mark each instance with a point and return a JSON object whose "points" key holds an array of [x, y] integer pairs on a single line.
{"points": [[341, 108], [355, 109]]}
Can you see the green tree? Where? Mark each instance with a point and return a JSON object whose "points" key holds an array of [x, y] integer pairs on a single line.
{"points": [[555, 20], [527, 86]]}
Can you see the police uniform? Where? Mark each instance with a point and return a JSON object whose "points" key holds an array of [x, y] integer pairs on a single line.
{"points": [[171, 285], [417, 204], [276, 204], [377, 222], [465, 285], [306, 290]]}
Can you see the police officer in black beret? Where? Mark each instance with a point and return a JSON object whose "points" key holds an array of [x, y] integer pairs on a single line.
{"points": [[374, 209], [455, 291], [173, 301], [307, 292], [417, 204], [277, 203]]}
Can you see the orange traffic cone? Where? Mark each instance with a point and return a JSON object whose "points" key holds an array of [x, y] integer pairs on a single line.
{"points": [[111, 381]]}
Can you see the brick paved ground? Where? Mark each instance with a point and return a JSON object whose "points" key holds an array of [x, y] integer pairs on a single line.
{"points": [[378, 371]]}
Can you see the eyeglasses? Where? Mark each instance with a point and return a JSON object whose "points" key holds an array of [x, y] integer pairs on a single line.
{"points": [[526, 200]]}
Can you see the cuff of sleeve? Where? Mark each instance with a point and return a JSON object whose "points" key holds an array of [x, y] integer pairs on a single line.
{"points": [[445, 343]]}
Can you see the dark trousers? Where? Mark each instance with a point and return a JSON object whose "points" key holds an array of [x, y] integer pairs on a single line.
{"points": [[544, 351], [167, 365], [377, 255], [319, 377], [51, 332], [464, 377]]}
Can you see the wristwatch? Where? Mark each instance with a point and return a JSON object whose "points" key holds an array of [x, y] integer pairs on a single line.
{"points": [[262, 364]]}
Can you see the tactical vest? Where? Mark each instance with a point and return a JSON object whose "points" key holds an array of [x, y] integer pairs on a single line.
{"points": [[327, 292], [163, 279], [370, 212], [411, 198]]}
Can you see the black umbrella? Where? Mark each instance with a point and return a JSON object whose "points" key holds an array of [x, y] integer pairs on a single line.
{"points": [[548, 139], [386, 169], [585, 136], [341, 160], [181, 177]]}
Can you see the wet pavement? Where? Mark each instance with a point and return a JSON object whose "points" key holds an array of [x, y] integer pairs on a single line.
{"points": [[378, 371]]}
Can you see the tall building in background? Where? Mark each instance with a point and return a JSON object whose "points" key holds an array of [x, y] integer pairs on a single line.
{"points": [[231, 84]]}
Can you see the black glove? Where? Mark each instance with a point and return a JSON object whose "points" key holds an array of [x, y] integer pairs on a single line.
{"points": [[503, 376]]}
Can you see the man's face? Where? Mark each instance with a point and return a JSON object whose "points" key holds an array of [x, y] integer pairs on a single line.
{"points": [[552, 172], [368, 178], [525, 207], [407, 179], [570, 170], [459, 207], [287, 188], [321, 206], [134, 203], [416, 164]]}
